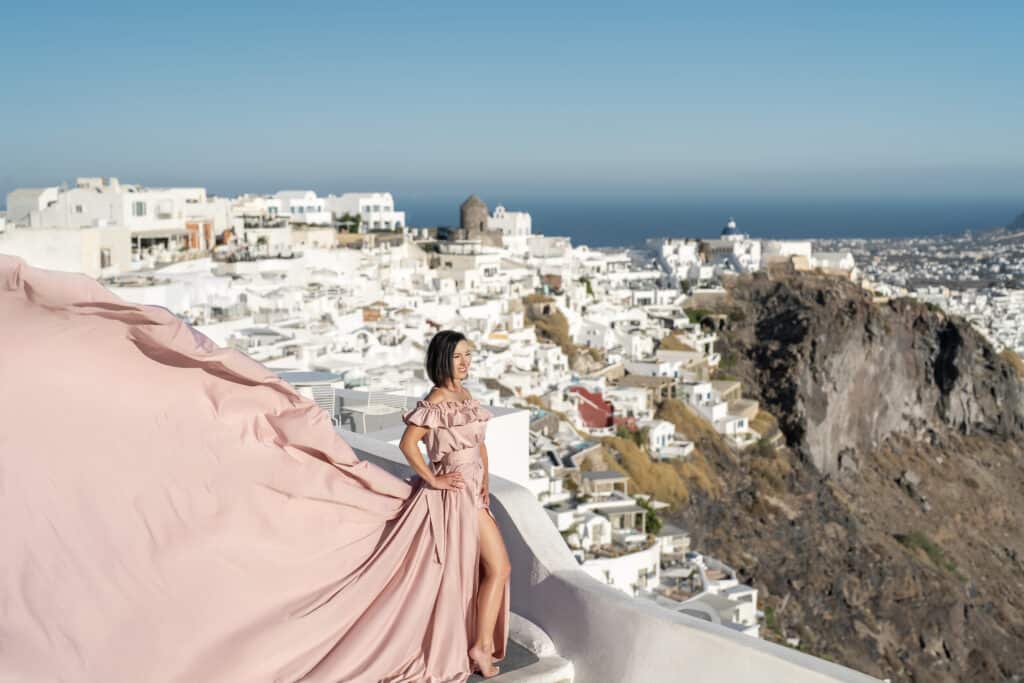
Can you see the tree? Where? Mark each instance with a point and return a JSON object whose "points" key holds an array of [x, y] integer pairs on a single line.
{"points": [[638, 436], [652, 522], [350, 222]]}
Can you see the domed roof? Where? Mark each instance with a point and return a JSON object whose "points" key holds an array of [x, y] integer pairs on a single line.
{"points": [[730, 227], [473, 200]]}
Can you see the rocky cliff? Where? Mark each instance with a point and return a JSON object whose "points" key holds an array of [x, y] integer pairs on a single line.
{"points": [[888, 533], [842, 373]]}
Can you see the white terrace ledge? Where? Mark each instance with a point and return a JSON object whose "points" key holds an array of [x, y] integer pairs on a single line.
{"points": [[608, 635]]}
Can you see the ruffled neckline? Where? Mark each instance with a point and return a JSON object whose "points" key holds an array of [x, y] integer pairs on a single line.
{"points": [[446, 413]]}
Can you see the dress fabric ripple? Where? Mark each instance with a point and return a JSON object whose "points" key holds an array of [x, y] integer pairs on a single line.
{"points": [[173, 511]]}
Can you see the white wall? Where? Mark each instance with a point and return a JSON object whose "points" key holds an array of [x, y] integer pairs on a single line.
{"points": [[622, 572], [324, 237], [22, 202], [787, 248], [174, 296], [74, 250], [78, 207]]}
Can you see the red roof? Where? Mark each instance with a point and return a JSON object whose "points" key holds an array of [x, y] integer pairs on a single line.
{"points": [[594, 410]]}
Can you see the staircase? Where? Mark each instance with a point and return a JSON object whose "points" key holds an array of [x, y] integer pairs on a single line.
{"points": [[531, 657]]}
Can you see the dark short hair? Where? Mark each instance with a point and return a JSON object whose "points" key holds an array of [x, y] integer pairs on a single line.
{"points": [[439, 356]]}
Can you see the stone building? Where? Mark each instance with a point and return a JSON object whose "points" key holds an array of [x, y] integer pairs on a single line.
{"points": [[473, 215], [473, 220]]}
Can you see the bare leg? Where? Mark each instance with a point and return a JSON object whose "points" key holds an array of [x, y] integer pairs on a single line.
{"points": [[494, 561]]}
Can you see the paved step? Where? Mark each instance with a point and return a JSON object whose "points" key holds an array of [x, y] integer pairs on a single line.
{"points": [[531, 657]]}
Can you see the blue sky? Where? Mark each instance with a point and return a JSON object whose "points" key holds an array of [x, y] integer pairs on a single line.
{"points": [[533, 99]]}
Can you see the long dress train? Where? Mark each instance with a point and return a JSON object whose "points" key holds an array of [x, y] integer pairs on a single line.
{"points": [[173, 511]]}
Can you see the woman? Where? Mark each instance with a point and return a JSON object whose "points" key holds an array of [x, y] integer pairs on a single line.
{"points": [[452, 424], [174, 511]]}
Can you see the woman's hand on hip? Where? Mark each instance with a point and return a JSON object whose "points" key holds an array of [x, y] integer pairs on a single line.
{"points": [[449, 481]]}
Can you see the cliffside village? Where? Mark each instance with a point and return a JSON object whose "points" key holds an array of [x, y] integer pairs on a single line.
{"points": [[978, 276], [590, 341]]}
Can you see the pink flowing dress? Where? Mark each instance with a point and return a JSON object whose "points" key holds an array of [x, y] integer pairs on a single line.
{"points": [[171, 510], [456, 432]]}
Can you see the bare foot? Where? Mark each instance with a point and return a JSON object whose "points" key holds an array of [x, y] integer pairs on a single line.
{"points": [[482, 658]]}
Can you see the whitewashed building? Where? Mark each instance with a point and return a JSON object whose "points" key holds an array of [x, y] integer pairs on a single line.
{"points": [[796, 251], [515, 226], [303, 206], [123, 223], [677, 257], [375, 209], [733, 251]]}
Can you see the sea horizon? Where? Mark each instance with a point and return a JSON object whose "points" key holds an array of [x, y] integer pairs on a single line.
{"points": [[603, 222]]}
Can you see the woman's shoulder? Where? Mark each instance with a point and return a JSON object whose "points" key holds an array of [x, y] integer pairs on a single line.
{"points": [[438, 395], [438, 410]]}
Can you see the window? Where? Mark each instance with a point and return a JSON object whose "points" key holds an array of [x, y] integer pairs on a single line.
{"points": [[104, 258], [79, 208], [138, 208]]}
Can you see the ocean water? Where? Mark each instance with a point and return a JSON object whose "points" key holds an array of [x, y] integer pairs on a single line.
{"points": [[629, 221]]}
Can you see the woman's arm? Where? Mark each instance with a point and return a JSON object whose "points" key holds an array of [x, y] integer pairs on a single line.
{"points": [[411, 437], [411, 451]]}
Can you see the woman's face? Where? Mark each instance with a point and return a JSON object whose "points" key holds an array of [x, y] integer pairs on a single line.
{"points": [[461, 359]]}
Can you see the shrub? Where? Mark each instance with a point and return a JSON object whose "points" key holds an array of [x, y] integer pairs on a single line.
{"points": [[763, 448], [639, 437], [727, 362], [772, 471], [697, 314], [919, 541]]}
